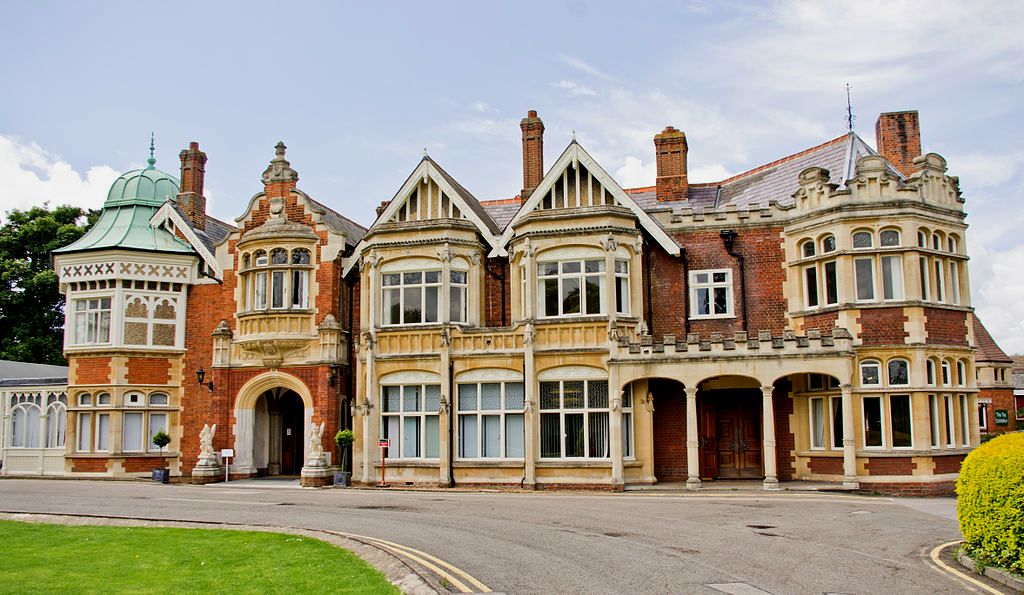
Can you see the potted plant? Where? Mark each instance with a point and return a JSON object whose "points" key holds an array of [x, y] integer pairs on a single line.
{"points": [[161, 474], [344, 440]]}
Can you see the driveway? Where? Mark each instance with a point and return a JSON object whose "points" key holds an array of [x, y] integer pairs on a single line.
{"points": [[735, 542]]}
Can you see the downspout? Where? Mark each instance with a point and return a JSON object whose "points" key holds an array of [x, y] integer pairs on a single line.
{"points": [[451, 424], [504, 297], [728, 237], [649, 318], [686, 292]]}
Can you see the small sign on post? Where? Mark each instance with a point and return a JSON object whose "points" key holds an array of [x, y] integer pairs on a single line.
{"points": [[384, 444], [227, 454]]}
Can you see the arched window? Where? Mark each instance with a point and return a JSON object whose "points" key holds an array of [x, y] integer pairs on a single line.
{"points": [[862, 239], [899, 372], [807, 248], [951, 241], [961, 373], [870, 373], [828, 243], [929, 367], [25, 426], [936, 241], [889, 238], [279, 281], [946, 373], [158, 399], [84, 399], [56, 425], [922, 238], [103, 398]]}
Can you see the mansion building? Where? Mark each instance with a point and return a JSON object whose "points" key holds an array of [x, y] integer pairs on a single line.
{"points": [[808, 319]]}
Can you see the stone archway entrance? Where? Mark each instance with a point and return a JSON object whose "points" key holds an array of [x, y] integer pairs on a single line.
{"points": [[278, 434]]}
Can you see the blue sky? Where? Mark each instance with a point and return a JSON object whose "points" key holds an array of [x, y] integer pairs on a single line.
{"points": [[358, 90]]}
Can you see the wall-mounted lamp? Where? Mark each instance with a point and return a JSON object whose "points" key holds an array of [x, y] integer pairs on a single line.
{"points": [[201, 375], [333, 378]]}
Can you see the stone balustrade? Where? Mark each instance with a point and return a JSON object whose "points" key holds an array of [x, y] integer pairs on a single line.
{"points": [[739, 344]]}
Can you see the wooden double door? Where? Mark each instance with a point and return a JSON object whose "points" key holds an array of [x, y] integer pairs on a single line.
{"points": [[730, 434], [292, 434]]}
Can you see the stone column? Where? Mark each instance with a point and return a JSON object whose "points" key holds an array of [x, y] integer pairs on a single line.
{"points": [[529, 370], [444, 478], [615, 428], [692, 439], [849, 441], [771, 473], [610, 245]]}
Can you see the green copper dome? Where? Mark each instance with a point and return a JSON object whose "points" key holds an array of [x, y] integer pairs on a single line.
{"points": [[148, 186]]}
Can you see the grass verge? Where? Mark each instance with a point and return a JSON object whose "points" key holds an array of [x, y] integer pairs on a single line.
{"points": [[37, 557]]}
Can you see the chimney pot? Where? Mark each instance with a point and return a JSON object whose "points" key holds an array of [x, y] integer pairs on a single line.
{"points": [[670, 154], [533, 153], [898, 136]]}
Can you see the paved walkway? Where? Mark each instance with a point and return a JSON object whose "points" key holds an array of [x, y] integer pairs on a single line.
{"points": [[743, 541]]}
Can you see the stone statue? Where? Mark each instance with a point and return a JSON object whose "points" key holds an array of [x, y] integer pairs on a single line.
{"points": [[316, 448], [206, 454]]}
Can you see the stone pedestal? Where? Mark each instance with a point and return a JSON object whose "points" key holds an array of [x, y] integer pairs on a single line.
{"points": [[316, 477], [206, 472]]}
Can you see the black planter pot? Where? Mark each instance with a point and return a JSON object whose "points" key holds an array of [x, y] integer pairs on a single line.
{"points": [[343, 479], [162, 475]]}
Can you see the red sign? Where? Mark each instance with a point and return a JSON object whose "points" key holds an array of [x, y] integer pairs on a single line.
{"points": [[384, 443]]}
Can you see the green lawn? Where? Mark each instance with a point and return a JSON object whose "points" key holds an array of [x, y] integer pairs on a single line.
{"points": [[83, 559]]}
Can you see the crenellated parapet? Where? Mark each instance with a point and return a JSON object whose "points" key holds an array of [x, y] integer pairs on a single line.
{"points": [[737, 345]]}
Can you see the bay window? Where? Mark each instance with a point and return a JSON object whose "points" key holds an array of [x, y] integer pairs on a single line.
{"points": [[458, 291], [491, 423], [278, 280], [873, 424], [409, 418], [571, 287], [622, 286], [900, 420], [92, 320], [711, 294], [574, 417], [865, 279], [892, 277], [411, 297]]}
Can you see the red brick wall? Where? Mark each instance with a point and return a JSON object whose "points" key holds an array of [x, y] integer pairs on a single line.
{"points": [[822, 322], [669, 433], [898, 138], [763, 259], [89, 465], [785, 441], [945, 327], [91, 370], [493, 307], [882, 326], [826, 465], [148, 370], [890, 466], [1002, 398], [139, 464], [950, 464]]}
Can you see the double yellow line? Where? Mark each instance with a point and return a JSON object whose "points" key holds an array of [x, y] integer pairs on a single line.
{"points": [[457, 577]]}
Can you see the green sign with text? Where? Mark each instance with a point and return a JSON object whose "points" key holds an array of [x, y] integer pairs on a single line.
{"points": [[1002, 417]]}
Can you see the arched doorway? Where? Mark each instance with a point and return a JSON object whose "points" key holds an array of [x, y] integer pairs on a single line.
{"points": [[278, 436]]}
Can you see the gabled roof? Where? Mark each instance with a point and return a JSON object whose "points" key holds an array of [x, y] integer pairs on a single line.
{"points": [[988, 349], [468, 204], [575, 153]]}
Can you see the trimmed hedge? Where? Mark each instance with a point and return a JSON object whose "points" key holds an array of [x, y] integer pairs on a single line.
{"points": [[990, 502]]}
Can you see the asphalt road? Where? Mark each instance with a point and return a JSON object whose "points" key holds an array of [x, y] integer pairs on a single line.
{"points": [[579, 543]]}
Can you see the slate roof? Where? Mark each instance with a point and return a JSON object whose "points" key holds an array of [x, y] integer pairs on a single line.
{"points": [[502, 210], [468, 197], [1018, 379], [988, 349], [337, 221], [26, 374]]}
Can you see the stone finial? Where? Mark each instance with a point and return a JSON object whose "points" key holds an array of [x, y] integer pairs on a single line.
{"points": [[280, 170]]}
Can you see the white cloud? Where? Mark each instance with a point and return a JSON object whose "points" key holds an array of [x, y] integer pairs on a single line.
{"points": [[587, 68], [574, 89], [32, 176], [481, 107], [634, 173], [980, 170], [713, 172]]}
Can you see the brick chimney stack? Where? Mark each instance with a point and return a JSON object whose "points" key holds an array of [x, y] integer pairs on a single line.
{"points": [[533, 153], [193, 174], [670, 152], [898, 135]]}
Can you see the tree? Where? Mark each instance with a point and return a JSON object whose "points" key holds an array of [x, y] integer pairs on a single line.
{"points": [[31, 306]]}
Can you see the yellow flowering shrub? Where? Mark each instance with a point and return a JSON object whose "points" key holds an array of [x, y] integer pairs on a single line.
{"points": [[990, 502]]}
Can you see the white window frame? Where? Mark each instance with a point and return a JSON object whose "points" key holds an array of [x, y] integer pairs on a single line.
{"points": [[934, 420], [925, 273], [586, 411], [983, 416], [811, 294], [560, 277], [150, 432], [101, 438], [141, 445], [881, 420], [402, 415], [965, 421], [622, 288], [961, 373], [871, 277], [402, 286], [929, 372], [83, 431], [711, 285], [878, 371], [95, 316], [826, 436], [628, 438], [950, 421], [888, 371], [479, 414], [910, 417], [947, 373], [894, 278]]}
